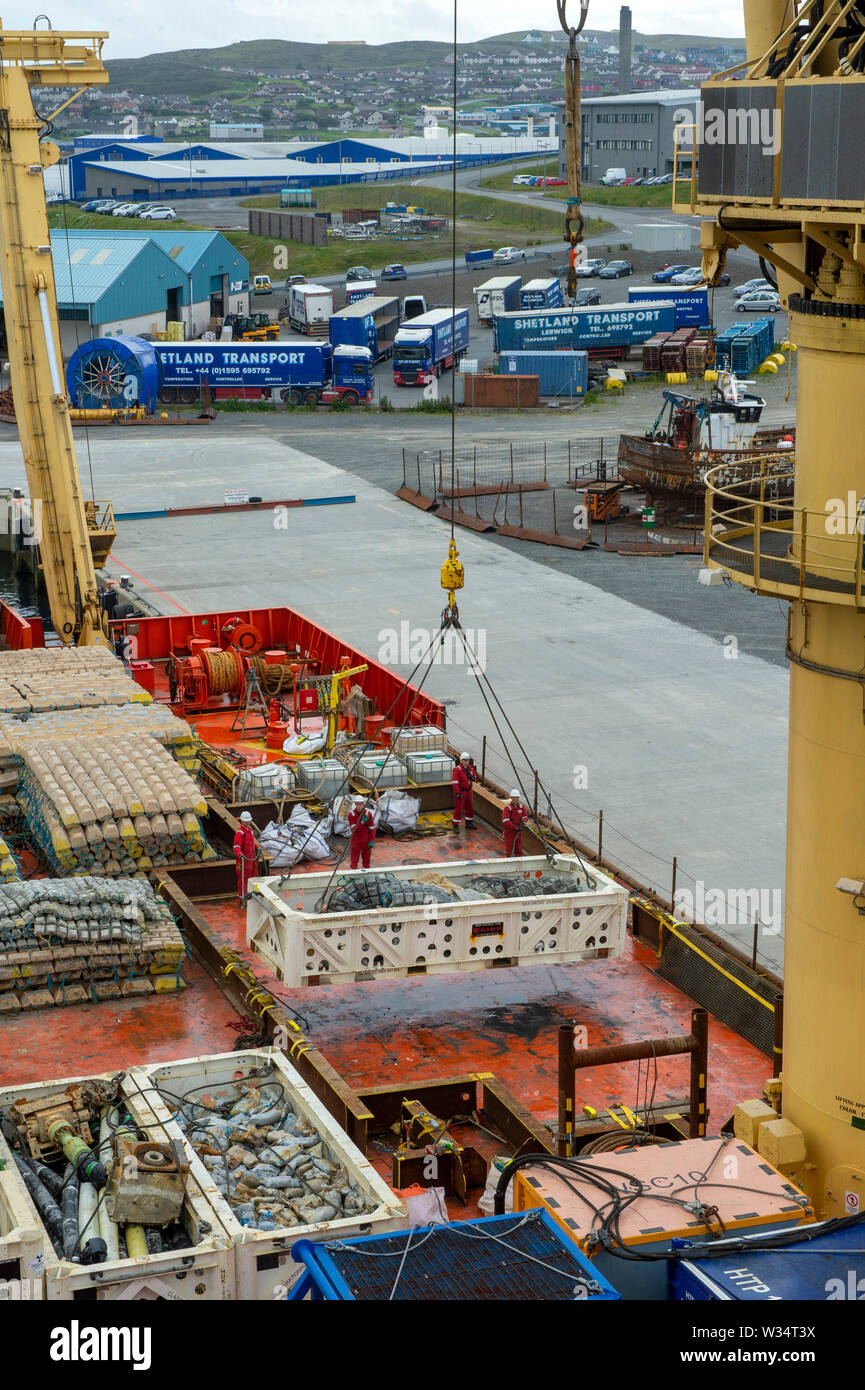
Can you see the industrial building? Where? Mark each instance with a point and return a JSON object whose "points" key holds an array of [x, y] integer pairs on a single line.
{"points": [[632, 132], [145, 169], [136, 282]]}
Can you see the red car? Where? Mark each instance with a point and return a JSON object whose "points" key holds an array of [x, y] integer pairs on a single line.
{"points": [[551, 183]]}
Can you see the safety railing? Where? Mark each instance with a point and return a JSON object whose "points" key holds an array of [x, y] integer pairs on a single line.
{"points": [[757, 534], [682, 151]]}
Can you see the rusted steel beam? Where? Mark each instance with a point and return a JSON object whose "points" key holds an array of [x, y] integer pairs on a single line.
{"points": [[251, 998], [523, 533], [514, 1120], [461, 518], [417, 499], [495, 489], [443, 1096]]}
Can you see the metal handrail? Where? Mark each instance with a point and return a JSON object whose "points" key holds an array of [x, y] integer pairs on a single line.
{"points": [[739, 512]]}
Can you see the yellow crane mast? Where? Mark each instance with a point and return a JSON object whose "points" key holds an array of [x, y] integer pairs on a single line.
{"points": [[782, 172], [29, 61]]}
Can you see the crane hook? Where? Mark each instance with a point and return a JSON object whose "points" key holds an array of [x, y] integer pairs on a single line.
{"points": [[561, 6]]}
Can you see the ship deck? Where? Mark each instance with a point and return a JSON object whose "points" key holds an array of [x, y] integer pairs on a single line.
{"points": [[401, 1030]]}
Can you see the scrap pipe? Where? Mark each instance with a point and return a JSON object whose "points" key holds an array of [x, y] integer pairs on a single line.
{"points": [[573, 1059]]}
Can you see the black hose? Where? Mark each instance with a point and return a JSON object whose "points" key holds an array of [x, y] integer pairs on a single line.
{"points": [[48, 1209], [69, 1210]]}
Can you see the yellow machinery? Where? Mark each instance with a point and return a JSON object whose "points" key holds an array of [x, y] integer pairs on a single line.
{"points": [[33, 60], [787, 180]]}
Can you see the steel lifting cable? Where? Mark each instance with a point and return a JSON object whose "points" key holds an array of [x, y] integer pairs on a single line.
{"points": [[454, 278], [574, 223]]}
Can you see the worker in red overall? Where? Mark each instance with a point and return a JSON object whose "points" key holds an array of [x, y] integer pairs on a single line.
{"points": [[464, 778], [245, 854], [362, 825], [514, 817]]}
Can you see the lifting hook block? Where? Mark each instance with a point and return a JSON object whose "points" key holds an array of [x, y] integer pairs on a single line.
{"points": [[453, 574]]}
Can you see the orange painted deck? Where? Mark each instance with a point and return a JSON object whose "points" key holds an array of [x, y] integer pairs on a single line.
{"points": [[502, 1021]]}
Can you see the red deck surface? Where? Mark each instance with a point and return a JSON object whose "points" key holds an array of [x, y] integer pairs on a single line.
{"points": [[503, 1021]]}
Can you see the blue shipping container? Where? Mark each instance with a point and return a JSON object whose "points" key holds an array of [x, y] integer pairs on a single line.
{"points": [[827, 1268], [559, 373], [601, 326], [692, 306], [542, 294]]}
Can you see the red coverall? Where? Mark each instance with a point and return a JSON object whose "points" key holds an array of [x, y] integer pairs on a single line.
{"points": [[362, 826], [245, 857], [464, 778], [514, 817]]}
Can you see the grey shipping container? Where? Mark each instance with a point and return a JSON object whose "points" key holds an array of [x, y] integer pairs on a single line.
{"points": [[559, 373]]}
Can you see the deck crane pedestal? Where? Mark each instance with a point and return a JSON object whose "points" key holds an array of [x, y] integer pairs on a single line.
{"points": [[31, 60], [787, 181]]}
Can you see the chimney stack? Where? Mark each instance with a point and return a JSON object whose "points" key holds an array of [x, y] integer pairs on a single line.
{"points": [[625, 49]]}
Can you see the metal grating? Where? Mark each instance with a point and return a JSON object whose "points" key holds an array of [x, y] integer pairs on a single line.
{"points": [[469, 1261], [703, 981]]}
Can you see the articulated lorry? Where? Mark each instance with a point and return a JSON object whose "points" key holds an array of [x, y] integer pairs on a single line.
{"points": [[310, 308], [500, 295], [371, 323], [432, 343], [294, 372]]}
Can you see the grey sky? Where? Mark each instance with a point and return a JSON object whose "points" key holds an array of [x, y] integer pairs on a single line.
{"points": [[157, 26]]}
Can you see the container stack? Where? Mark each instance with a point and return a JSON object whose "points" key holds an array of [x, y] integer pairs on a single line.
{"points": [[79, 941], [110, 806]]}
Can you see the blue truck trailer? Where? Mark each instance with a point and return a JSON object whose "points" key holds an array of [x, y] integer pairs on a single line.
{"points": [[692, 306], [558, 373], [614, 329], [480, 257], [295, 372], [371, 323], [541, 294], [432, 343]]}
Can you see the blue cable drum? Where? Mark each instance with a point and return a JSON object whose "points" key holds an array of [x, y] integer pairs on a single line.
{"points": [[114, 373]]}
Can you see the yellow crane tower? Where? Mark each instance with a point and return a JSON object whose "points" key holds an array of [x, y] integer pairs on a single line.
{"points": [[782, 172], [29, 61]]}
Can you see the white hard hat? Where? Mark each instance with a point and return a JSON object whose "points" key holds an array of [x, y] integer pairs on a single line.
{"points": [[464, 757], [245, 816], [515, 792], [359, 800]]}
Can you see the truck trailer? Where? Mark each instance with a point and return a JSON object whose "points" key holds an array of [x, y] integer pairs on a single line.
{"points": [[480, 257], [372, 323], [294, 372], [433, 343], [360, 289], [500, 295], [541, 294], [611, 329], [310, 308], [692, 305]]}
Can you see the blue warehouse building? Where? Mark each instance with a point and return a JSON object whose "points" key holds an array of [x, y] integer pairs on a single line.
{"points": [[136, 282]]}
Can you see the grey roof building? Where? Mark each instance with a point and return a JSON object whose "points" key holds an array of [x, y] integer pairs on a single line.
{"points": [[633, 132]]}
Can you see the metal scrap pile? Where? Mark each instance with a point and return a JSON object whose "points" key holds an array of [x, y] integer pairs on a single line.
{"points": [[387, 890], [110, 806], [71, 941], [269, 1163]]}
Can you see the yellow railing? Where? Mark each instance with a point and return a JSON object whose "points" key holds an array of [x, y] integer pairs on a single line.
{"points": [[680, 153], [757, 534]]}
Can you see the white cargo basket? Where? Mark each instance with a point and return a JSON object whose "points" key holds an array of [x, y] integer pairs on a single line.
{"points": [[304, 946], [262, 1259], [203, 1273]]}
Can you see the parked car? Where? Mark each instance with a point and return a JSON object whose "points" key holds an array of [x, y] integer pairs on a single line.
{"points": [[637, 182], [590, 295], [551, 183], [394, 272], [158, 215], [759, 302], [358, 272], [261, 284], [522, 179], [663, 178], [506, 254], [123, 210], [295, 280], [98, 205], [613, 270], [662, 277], [692, 276], [591, 267], [759, 284]]}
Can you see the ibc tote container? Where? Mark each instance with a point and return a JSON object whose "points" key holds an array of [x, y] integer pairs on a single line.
{"points": [[204, 1272], [262, 1260]]}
